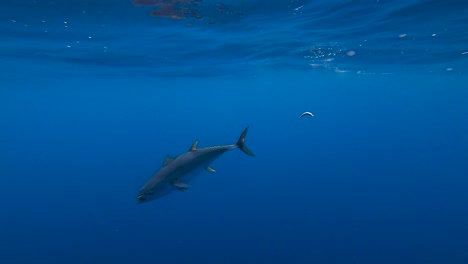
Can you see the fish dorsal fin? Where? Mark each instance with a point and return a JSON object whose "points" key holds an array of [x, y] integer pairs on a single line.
{"points": [[167, 160], [194, 146]]}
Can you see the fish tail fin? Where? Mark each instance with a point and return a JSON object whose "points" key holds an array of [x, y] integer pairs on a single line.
{"points": [[241, 144]]}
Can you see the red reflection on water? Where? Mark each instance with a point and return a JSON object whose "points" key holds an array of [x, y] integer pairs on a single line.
{"points": [[176, 9]]}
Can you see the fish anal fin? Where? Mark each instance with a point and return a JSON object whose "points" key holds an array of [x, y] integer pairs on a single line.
{"points": [[210, 169], [194, 146], [167, 160]]}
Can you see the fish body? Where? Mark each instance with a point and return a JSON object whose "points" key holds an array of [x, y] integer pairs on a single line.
{"points": [[176, 172]]}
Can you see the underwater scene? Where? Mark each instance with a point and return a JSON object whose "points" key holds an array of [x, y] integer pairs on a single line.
{"points": [[234, 131]]}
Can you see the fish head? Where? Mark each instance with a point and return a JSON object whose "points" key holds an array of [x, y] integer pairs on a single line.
{"points": [[154, 193], [145, 197]]}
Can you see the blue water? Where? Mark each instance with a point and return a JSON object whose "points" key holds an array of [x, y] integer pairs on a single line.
{"points": [[94, 94]]}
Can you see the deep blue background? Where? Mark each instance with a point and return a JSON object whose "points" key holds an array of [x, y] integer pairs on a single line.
{"points": [[379, 175]]}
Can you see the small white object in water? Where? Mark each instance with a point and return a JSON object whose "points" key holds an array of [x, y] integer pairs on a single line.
{"points": [[306, 113]]}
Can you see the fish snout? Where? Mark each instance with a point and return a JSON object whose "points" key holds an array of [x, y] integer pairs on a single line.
{"points": [[141, 198]]}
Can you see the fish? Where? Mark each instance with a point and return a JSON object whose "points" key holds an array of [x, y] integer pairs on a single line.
{"points": [[177, 171], [306, 113]]}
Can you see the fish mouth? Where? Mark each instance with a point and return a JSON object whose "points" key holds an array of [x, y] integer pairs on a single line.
{"points": [[141, 199]]}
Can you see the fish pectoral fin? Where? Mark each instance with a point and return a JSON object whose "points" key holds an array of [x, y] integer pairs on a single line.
{"points": [[180, 184], [210, 169], [182, 189], [194, 146]]}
